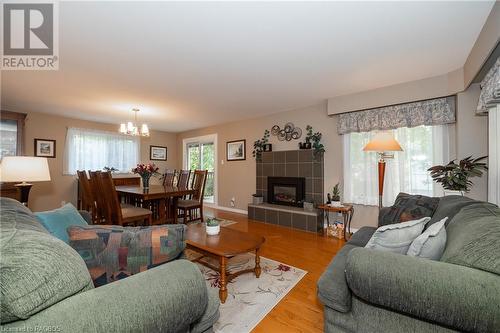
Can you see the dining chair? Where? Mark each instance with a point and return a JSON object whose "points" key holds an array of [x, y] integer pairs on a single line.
{"points": [[189, 208], [183, 178], [168, 178], [88, 200], [118, 213], [97, 193]]}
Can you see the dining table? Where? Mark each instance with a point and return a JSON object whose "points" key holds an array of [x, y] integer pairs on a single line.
{"points": [[162, 200]]}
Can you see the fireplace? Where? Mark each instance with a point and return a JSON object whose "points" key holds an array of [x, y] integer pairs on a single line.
{"points": [[288, 191]]}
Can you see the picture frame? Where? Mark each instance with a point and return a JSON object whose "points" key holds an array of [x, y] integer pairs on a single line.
{"points": [[45, 148], [158, 153], [236, 150]]}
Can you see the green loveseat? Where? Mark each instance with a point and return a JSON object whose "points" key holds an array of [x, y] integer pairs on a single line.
{"points": [[366, 291], [46, 287]]}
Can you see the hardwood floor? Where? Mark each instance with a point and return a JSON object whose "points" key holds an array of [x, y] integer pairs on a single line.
{"points": [[300, 310]]}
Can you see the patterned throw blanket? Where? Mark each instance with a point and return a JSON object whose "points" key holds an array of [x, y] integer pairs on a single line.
{"points": [[113, 252]]}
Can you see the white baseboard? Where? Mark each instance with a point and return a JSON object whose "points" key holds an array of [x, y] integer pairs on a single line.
{"points": [[227, 209]]}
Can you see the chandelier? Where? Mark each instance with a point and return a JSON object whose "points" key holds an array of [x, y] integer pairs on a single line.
{"points": [[131, 128]]}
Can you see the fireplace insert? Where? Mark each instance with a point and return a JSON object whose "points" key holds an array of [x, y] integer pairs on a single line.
{"points": [[288, 191]]}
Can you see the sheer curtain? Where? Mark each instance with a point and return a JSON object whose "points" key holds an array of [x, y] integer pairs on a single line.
{"points": [[88, 149], [423, 147]]}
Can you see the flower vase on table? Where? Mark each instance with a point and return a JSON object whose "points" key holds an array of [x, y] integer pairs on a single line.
{"points": [[146, 171]]}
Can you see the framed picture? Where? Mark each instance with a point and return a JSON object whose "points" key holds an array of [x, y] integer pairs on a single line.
{"points": [[45, 148], [157, 153], [236, 150]]}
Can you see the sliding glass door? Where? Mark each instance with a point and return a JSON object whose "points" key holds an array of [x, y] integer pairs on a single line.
{"points": [[200, 154]]}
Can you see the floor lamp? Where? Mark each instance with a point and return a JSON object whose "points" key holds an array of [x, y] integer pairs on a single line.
{"points": [[381, 143], [24, 169]]}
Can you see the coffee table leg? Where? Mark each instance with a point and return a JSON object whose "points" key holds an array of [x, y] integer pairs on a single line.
{"points": [[257, 264], [223, 280]]}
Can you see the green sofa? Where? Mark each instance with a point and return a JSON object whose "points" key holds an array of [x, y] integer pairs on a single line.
{"points": [[46, 287], [372, 291]]}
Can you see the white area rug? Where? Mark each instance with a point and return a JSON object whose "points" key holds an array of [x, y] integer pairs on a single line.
{"points": [[250, 299]]}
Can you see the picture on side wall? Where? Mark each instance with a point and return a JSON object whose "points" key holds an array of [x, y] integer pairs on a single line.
{"points": [[45, 148], [157, 153], [236, 150]]}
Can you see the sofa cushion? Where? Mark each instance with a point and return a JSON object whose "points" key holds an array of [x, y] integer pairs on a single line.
{"points": [[430, 244], [17, 214], [449, 206], [408, 208], [474, 238], [113, 252], [38, 270], [398, 237], [211, 314], [332, 285], [362, 236], [58, 220]]}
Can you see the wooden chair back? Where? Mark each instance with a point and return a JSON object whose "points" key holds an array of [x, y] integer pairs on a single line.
{"points": [[168, 178], [111, 198], [183, 178], [102, 211], [198, 184], [88, 201]]}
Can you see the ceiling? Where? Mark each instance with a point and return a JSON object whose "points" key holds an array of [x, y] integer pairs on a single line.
{"points": [[189, 65]]}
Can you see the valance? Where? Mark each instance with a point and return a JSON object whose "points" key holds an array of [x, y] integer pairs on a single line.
{"points": [[439, 111], [490, 89]]}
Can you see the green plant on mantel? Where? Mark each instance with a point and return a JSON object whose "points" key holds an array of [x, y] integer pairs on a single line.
{"points": [[315, 138], [456, 177], [258, 145]]}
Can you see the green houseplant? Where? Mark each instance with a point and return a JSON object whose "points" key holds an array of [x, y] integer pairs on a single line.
{"points": [[213, 226], [258, 145], [336, 192], [315, 138], [456, 177]]}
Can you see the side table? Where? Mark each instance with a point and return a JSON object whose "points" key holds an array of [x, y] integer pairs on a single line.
{"points": [[347, 211]]}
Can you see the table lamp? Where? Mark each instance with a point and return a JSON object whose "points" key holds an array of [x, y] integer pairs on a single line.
{"points": [[382, 142], [24, 169]]}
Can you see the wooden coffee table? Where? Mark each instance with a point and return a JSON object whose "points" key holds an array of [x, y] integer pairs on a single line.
{"points": [[225, 245]]}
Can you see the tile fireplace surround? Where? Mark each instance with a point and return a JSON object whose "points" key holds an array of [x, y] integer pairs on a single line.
{"points": [[292, 163]]}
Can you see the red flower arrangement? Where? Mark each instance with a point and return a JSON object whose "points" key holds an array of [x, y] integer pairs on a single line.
{"points": [[149, 169], [146, 171]]}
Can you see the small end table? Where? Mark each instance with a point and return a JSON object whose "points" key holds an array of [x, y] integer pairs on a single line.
{"points": [[347, 211]]}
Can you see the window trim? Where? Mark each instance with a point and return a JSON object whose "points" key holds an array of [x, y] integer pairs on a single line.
{"points": [[20, 118]]}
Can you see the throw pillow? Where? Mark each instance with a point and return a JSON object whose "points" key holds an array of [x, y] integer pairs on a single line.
{"points": [[408, 208], [58, 220], [397, 238], [112, 252], [430, 244]]}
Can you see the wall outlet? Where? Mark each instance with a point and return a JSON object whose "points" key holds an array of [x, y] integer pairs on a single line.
{"points": [[233, 202]]}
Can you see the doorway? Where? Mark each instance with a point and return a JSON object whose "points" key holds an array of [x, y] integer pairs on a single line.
{"points": [[200, 153]]}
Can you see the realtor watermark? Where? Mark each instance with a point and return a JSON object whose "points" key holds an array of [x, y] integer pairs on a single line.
{"points": [[30, 32]]}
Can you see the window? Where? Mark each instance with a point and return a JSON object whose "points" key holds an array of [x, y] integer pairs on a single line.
{"points": [[11, 133], [93, 150], [423, 147]]}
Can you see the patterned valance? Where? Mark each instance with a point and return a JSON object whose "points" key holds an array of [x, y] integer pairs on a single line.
{"points": [[437, 111], [490, 89]]}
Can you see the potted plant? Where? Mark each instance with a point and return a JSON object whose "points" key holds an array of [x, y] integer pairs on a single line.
{"points": [[259, 145], [455, 178], [146, 171], [213, 226], [336, 196]]}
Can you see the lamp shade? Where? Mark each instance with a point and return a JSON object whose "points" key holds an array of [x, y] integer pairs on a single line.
{"points": [[383, 141], [24, 169]]}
